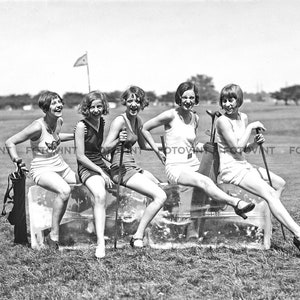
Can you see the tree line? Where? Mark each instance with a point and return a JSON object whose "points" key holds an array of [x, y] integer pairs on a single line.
{"points": [[207, 92]]}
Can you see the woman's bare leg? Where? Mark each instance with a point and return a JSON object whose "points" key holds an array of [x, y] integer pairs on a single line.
{"points": [[96, 185], [253, 183], [55, 183], [142, 184], [195, 179]]}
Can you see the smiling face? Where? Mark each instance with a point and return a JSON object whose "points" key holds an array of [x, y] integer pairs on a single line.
{"points": [[230, 105], [96, 109], [188, 99], [56, 107], [133, 105]]}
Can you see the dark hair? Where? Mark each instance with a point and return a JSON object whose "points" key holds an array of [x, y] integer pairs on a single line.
{"points": [[231, 91], [183, 87], [84, 106], [45, 100], [138, 92]]}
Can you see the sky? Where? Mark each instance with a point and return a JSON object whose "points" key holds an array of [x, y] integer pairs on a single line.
{"points": [[153, 44]]}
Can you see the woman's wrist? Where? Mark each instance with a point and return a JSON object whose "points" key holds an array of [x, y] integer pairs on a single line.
{"points": [[16, 159]]}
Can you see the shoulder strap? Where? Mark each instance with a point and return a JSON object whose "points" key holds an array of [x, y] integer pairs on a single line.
{"points": [[7, 195]]}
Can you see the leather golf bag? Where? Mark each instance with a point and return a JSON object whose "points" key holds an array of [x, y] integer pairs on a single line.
{"points": [[17, 216]]}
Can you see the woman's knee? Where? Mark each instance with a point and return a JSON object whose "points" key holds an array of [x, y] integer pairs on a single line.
{"points": [[205, 183], [64, 192], [160, 197], [270, 195], [100, 199]]}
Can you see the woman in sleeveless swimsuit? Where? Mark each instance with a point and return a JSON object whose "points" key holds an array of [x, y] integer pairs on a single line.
{"points": [[48, 169], [132, 175], [92, 170], [233, 133], [181, 163]]}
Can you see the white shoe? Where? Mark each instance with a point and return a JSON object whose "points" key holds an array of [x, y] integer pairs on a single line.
{"points": [[100, 251], [136, 243]]}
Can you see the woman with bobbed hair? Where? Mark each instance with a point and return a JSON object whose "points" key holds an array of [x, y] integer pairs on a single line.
{"points": [[48, 169], [233, 132], [132, 176]]}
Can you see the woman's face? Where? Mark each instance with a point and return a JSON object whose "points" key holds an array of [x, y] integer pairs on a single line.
{"points": [[96, 108], [188, 99], [56, 107], [230, 105], [133, 105]]}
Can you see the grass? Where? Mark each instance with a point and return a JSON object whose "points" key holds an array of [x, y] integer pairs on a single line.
{"points": [[193, 273]]}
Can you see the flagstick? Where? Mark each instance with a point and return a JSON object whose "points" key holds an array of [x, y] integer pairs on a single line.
{"points": [[88, 72]]}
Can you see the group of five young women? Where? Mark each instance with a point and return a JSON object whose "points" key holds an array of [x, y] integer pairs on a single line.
{"points": [[49, 170]]}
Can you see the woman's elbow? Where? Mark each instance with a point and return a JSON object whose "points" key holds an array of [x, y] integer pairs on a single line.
{"points": [[104, 150], [9, 143], [80, 157]]}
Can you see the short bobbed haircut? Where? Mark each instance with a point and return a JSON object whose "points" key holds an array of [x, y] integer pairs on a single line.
{"points": [[183, 87], [231, 91], [45, 100], [84, 106], [138, 92]]}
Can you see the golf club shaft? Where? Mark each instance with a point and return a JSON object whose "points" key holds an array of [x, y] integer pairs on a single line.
{"points": [[118, 193], [268, 174], [163, 144]]}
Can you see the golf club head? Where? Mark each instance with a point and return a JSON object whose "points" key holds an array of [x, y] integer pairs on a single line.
{"points": [[213, 114]]}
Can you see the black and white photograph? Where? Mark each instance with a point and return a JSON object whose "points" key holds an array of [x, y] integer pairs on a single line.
{"points": [[150, 149]]}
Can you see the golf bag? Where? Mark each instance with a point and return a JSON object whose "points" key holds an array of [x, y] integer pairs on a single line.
{"points": [[209, 166], [17, 216]]}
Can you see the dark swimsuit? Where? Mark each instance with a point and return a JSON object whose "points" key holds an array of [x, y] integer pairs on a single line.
{"points": [[129, 166], [92, 149]]}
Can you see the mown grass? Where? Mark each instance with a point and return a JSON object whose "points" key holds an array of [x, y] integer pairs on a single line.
{"points": [[193, 273]]}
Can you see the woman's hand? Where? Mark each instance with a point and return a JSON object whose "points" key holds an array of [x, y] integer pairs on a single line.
{"points": [[199, 147], [259, 139], [20, 165], [108, 181], [257, 125], [123, 135]]}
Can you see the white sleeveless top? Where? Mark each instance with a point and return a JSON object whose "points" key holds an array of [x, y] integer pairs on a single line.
{"points": [[180, 140], [46, 154], [226, 156], [47, 145], [233, 166]]}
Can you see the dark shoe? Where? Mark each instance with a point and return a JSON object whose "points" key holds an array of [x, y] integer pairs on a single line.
{"points": [[52, 244], [296, 243], [241, 211], [136, 243]]}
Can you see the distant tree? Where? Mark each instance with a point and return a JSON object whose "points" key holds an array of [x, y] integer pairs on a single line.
{"points": [[167, 98], [256, 97], [35, 99], [206, 87], [72, 99], [114, 96], [288, 93], [151, 96], [15, 101]]}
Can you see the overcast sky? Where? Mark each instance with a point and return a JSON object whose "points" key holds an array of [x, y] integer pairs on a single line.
{"points": [[153, 44]]}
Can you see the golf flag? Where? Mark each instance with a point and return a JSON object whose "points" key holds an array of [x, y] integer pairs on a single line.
{"points": [[81, 61]]}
